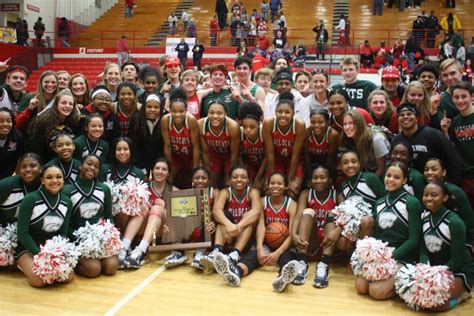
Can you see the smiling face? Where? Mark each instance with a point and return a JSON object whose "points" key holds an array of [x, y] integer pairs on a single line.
{"points": [[394, 179], [122, 152], [16, 81], [319, 123], [239, 179], [65, 106], [95, 128], [284, 114], [434, 197], [90, 168], [6, 124], [320, 179], [200, 180], [102, 102], [53, 180], [78, 86], [350, 164], [64, 147], [400, 153], [217, 79], [407, 120], [173, 71], [349, 73], [428, 79], [276, 185], [451, 75], [378, 105], [190, 83], [251, 128], [152, 110], [348, 126], [463, 100], [337, 105], [63, 81], [264, 81], [112, 76], [390, 85], [49, 84], [178, 112], [243, 72], [434, 171], [216, 115], [150, 84], [320, 83], [160, 172], [415, 95], [126, 96], [129, 73], [30, 170]]}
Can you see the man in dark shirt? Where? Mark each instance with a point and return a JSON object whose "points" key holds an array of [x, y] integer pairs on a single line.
{"points": [[182, 48]]}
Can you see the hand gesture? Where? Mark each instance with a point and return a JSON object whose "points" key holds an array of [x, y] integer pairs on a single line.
{"points": [[34, 102], [435, 101], [4, 64], [445, 123], [244, 90]]}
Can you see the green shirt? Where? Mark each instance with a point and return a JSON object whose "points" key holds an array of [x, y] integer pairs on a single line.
{"points": [[462, 136], [122, 173], [398, 222], [446, 105], [415, 184], [463, 209], [364, 184], [70, 168], [42, 216], [85, 146], [91, 201], [225, 96], [12, 192], [358, 92]]}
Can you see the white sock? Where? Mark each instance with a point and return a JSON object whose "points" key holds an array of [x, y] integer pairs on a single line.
{"points": [[143, 246], [126, 243]]}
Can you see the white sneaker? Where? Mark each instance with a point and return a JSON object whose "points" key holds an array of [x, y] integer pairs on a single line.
{"points": [[207, 261], [287, 275], [224, 266], [322, 275], [196, 263], [175, 259], [122, 255], [302, 273]]}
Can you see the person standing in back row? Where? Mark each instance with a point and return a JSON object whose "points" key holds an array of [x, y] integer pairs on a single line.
{"points": [[182, 48], [39, 31], [122, 50]]}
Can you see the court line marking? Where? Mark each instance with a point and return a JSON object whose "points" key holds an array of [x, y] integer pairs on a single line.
{"points": [[134, 292]]}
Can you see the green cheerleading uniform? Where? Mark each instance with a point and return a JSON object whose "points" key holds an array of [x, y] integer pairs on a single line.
{"points": [[70, 168], [464, 210], [398, 222], [415, 184], [91, 201], [42, 216], [364, 184], [444, 239], [12, 192], [123, 173], [85, 146]]}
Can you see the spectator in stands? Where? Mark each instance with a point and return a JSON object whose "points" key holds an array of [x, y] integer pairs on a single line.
{"points": [[322, 37], [275, 6], [366, 54], [467, 71], [213, 30], [262, 27], [411, 47], [470, 50], [191, 31], [358, 90], [378, 7], [299, 54], [129, 72], [198, 51], [341, 27], [129, 4], [221, 12], [252, 35], [458, 41], [448, 49], [432, 26], [122, 50], [263, 43], [242, 49], [279, 42], [182, 48], [419, 29], [397, 49], [282, 23], [451, 4], [39, 31], [12, 92], [186, 19], [450, 23], [264, 8], [426, 142], [402, 65], [461, 54], [234, 25], [401, 5], [63, 32], [172, 23], [258, 61], [391, 84]]}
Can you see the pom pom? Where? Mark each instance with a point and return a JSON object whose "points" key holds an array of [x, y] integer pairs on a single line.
{"points": [[8, 243], [56, 260], [348, 215], [98, 241], [129, 197], [373, 260], [423, 286]]}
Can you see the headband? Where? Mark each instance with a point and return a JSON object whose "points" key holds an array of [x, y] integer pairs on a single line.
{"points": [[153, 97], [96, 92]]}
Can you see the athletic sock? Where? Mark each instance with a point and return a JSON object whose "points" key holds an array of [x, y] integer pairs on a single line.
{"points": [[143, 246], [325, 259], [302, 256], [126, 243]]}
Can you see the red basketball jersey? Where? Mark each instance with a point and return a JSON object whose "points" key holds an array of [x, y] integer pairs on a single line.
{"points": [[193, 106], [218, 144], [252, 152], [273, 215], [154, 196], [180, 140], [318, 151], [283, 142], [237, 207], [124, 121], [322, 208]]}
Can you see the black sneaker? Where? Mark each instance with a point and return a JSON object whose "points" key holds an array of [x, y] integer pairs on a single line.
{"points": [[302, 273], [175, 259], [136, 259], [287, 275], [227, 269], [322, 275]]}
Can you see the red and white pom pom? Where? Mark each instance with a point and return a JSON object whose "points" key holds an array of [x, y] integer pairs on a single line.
{"points": [[8, 243], [133, 197], [115, 193], [423, 286], [98, 241], [373, 260], [348, 215], [56, 260]]}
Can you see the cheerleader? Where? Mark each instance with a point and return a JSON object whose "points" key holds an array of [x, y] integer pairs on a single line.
{"points": [[220, 143], [283, 137], [397, 222], [63, 146], [201, 180], [403, 152], [435, 170], [13, 189], [43, 214], [277, 207], [91, 142], [236, 211], [253, 150], [321, 140], [443, 243], [180, 132], [153, 219], [314, 209], [91, 201], [12, 143]]}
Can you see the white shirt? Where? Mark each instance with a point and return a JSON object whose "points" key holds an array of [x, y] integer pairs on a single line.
{"points": [[301, 106], [342, 25]]}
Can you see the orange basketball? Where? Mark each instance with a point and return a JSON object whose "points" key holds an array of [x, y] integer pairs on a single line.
{"points": [[275, 234]]}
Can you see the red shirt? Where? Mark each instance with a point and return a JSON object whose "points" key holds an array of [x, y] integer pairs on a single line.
{"points": [[273, 215], [180, 140], [259, 62], [366, 115], [214, 26], [322, 208], [263, 43], [253, 152], [238, 207], [218, 144], [194, 107], [122, 45], [318, 151], [283, 143]]}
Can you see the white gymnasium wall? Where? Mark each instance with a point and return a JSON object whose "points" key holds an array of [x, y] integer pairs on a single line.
{"points": [[47, 10], [83, 12]]}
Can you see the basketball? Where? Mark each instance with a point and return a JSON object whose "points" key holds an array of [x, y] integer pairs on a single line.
{"points": [[275, 234]]}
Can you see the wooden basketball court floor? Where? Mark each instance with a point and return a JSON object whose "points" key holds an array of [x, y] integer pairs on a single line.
{"points": [[152, 290]]}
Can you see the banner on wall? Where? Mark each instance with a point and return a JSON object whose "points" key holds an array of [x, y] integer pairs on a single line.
{"points": [[172, 42], [10, 7], [7, 35]]}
